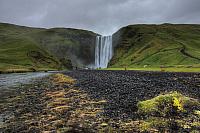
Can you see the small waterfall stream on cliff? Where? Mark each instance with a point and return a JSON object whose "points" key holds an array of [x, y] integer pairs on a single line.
{"points": [[103, 51]]}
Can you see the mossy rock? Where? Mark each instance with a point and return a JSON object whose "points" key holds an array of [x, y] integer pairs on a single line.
{"points": [[169, 112], [173, 103]]}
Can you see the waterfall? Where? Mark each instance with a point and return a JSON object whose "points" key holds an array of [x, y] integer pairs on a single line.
{"points": [[103, 51]]}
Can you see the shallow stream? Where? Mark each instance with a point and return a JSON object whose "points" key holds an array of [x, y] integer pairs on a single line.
{"points": [[15, 79]]}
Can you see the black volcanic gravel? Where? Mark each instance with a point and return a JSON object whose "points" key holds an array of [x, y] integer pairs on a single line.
{"points": [[123, 89]]}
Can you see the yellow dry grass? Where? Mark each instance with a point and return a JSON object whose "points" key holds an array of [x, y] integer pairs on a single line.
{"points": [[73, 91], [61, 109], [86, 112], [56, 94], [61, 78], [80, 107]]}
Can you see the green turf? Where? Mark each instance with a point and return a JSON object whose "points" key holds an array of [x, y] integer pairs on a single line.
{"points": [[26, 48], [137, 46], [14, 54], [157, 45], [172, 69]]}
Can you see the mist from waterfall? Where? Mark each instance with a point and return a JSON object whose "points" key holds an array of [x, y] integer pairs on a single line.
{"points": [[103, 51]]}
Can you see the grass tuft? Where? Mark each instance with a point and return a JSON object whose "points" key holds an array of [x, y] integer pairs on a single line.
{"points": [[60, 78]]}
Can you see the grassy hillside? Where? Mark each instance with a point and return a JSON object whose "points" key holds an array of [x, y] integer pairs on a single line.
{"points": [[165, 45], [135, 46], [77, 45], [29, 49]]}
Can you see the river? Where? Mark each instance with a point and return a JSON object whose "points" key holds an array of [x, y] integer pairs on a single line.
{"points": [[15, 79]]}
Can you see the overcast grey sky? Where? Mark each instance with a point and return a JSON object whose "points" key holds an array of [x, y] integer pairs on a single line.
{"points": [[101, 16]]}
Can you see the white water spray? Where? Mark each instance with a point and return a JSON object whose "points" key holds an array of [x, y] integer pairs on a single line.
{"points": [[103, 51]]}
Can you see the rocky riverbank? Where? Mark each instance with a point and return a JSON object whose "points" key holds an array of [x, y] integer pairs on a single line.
{"points": [[100, 101]]}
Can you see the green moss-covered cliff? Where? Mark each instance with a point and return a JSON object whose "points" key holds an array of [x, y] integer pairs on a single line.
{"points": [[156, 45], [27, 48]]}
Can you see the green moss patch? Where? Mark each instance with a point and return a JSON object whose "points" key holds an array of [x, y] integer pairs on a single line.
{"points": [[167, 112], [164, 103]]}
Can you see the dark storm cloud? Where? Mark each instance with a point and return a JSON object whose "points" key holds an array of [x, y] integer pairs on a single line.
{"points": [[102, 16]]}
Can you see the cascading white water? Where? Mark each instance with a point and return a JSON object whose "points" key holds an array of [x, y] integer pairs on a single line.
{"points": [[103, 51]]}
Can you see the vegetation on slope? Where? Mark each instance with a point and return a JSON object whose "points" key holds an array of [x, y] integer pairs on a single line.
{"points": [[31, 49], [135, 46], [73, 44], [164, 45], [18, 54]]}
